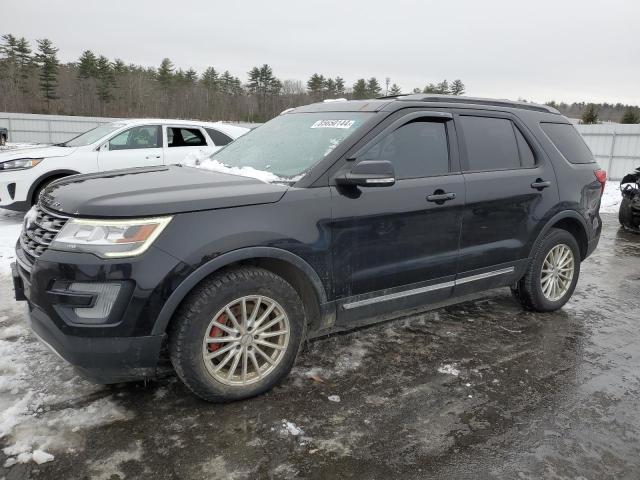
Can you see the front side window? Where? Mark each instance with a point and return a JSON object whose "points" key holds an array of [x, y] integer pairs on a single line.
{"points": [[185, 137], [290, 144], [145, 136], [490, 142], [416, 149]]}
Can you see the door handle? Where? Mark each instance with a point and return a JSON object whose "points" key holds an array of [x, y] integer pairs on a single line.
{"points": [[152, 156], [540, 184], [440, 196]]}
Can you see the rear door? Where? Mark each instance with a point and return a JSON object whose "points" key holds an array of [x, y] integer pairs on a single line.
{"points": [[511, 187], [139, 146], [395, 247], [185, 143]]}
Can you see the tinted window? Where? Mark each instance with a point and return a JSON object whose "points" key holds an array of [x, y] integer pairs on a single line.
{"points": [[527, 159], [147, 136], [491, 143], [567, 139], [185, 137], [219, 139], [417, 149]]}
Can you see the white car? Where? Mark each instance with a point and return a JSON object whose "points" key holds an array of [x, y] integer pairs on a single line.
{"points": [[123, 144]]}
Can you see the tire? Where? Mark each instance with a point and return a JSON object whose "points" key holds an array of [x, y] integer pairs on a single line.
{"points": [[624, 213], [3, 140], [529, 290], [206, 316]]}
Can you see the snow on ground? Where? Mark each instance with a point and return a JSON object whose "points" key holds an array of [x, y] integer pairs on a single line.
{"points": [[10, 226], [611, 198], [44, 406]]}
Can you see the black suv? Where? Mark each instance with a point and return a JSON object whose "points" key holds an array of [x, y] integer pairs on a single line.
{"points": [[359, 210]]}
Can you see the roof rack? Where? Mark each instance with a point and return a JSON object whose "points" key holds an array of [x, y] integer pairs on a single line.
{"points": [[420, 97]]}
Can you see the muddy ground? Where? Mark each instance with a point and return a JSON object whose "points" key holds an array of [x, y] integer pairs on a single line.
{"points": [[477, 390]]}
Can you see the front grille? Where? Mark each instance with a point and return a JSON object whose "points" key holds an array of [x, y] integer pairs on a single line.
{"points": [[37, 235]]}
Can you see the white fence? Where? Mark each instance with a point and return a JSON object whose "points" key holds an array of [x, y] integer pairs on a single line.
{"points": [[29, 128], [615, 146]]}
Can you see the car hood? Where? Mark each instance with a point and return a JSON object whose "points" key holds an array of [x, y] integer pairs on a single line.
{"points": [[139, 192], [36, 152]]}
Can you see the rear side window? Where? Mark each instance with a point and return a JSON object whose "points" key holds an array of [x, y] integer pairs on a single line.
{"points": [[569, 142], [416, 149], [185, 137], [219, 139], [491, 143]]}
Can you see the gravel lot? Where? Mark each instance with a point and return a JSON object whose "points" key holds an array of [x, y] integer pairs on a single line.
{"points": [[477, 390]]}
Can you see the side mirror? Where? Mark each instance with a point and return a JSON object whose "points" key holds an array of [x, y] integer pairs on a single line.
{"points": [[369, 173]]}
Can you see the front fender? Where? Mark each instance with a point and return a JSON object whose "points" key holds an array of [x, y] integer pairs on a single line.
{"points": [[229, 258]]}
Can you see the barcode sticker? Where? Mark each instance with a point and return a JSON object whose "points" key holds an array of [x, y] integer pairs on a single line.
{"points": [[333, 124]]}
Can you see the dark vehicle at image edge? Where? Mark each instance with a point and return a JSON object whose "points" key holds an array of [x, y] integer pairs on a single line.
{"points": [[374, 207]]}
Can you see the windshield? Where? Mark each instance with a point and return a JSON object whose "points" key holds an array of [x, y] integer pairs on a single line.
{"points": [[92, 136], [287, 146]]}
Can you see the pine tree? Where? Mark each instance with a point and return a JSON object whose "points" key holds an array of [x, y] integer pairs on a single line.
{"points": [[87, 65], [631, 115], [9, 48], [24, 63], [191, 76], [47, 60], [339, 86], [329, 88], [457, 87], [360, 91], [119, 67], [315, 86], [443, 87], [395, 90], [417, 90], [373, 88], [430, 88], [210, 79], [165, 74], [590, 115], [106, 79]]}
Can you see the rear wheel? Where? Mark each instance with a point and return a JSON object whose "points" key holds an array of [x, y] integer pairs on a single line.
{"points": [[237, 335], [552, 274]]}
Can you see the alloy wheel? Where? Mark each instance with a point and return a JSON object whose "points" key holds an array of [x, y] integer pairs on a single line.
{"points": [[246, 340], [557, 272]]}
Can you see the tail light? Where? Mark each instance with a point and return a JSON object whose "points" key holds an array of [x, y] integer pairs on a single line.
{"points": [[601, 176]]}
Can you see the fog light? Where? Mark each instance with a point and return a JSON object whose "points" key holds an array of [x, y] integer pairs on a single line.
{"points": [[106, 295]]}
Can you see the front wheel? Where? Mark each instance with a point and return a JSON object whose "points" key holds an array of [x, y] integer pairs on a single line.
{"points": [[552, 274], [237, 335]]}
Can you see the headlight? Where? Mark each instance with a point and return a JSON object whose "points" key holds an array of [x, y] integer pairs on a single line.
{"points": [[20, 163], [109, 238]]}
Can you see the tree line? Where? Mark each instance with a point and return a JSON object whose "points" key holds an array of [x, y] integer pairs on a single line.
{"points": [[33, 80]]}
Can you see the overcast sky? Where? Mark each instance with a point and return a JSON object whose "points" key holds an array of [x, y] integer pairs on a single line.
{"points": [[539, 50]]}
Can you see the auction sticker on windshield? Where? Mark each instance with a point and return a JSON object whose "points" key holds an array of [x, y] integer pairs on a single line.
{"points": [[333, 124]]}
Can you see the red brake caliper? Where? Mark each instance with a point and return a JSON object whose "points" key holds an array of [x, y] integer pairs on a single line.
{"points": [[216, 332]]}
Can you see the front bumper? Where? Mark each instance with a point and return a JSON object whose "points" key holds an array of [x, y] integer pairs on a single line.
{"points": [[101, 360], [124, 348]]}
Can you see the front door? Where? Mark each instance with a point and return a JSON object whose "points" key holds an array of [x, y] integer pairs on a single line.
{"points": [[139, 146], [397, 246], [511, 187]]}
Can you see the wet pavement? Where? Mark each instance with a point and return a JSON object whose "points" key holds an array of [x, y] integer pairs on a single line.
{"points": [[477, 390]]}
